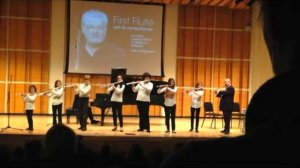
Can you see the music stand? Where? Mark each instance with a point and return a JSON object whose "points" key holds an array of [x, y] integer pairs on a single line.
{"points": [[8, 109]]}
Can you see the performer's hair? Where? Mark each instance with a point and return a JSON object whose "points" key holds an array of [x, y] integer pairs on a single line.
{"points": [[32, 86], [146, 74], [55, 83]]}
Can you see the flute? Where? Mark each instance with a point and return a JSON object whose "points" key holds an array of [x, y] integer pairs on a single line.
{"points": [[109, 84], [159, 86], [189, 88], [130, 83]]}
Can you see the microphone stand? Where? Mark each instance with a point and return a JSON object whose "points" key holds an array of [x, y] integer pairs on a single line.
{"points": [[8, 109]]}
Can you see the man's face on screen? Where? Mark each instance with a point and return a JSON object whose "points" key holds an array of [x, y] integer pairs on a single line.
{"points": [[94, 29]]}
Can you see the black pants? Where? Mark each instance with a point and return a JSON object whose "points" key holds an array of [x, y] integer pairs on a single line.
{"points": [[170, 112], [227, 117], [29, 114], [143, 108], [90, 115], [56, 111], [117, 112], [83, 107], [195, 112]]}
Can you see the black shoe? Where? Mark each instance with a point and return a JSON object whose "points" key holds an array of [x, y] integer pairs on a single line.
{"points": [[114, 129], [27, 128], [223, 131], [140, 130], [148, 131], [83, 129], [226, 132], [197, 130], [167, 131], [191, 129], [80, 128], [121, 129], [95, 122], [30, 129]]}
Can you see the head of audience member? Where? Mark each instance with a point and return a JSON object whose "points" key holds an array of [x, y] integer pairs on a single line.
{"points": [[94, 28], [33, 150], [281, 32], [271, 113], [60, 142]]}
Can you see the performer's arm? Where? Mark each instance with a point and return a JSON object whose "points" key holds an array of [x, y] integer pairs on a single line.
{"points": [[110, 89], [174, 90], [120, 90], [161, 90]]}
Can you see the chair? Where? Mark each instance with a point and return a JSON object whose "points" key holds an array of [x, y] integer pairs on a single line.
{"points": [[209, 112], [69, 113], [237, 113], [74, 110]]}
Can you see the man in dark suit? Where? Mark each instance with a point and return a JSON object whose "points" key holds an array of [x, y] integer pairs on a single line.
{"points": [[226, 103]]}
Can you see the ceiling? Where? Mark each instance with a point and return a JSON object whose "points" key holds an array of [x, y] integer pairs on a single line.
{"points": [[225, 3]]}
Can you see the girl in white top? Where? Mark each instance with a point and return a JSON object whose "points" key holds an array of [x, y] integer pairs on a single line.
{"points": [[144, 89], [116, 101], [29, 105], [170, 103], [196, 94], [56, 95]]}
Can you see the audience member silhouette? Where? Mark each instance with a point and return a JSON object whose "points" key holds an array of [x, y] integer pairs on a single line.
{"points": [[60, 141], [136, 158], [272, 118]]}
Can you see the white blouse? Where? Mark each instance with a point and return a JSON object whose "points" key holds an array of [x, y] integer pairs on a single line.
{"points": [[29, 101], [56, 95], [144, 90], [170, 96], [117, 95], [84, 90], [196, 98]]}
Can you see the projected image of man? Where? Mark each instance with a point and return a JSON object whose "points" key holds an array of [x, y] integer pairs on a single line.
{"points": [[94, 28], [95, 54]]}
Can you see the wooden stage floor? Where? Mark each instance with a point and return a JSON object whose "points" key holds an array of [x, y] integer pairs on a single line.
{"points": [[97, 134], [43, 123]]}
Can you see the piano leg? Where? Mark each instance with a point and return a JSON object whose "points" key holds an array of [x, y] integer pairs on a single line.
{"points": [[102, 116]]}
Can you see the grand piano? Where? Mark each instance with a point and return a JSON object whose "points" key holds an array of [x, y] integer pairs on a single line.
{"points": [[102, 100]]}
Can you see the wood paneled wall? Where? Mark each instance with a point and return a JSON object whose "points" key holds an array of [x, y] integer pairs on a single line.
{"points": [[213, 44], [24, 51]]}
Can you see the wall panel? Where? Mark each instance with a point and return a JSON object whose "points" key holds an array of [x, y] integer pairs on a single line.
{"points": [[25, 27], [213, 44]]}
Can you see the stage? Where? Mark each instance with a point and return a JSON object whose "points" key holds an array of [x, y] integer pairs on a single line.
{"points": [[96, 136]]}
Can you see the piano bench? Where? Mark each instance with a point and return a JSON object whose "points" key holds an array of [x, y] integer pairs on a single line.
{"points": [[69, 113]]}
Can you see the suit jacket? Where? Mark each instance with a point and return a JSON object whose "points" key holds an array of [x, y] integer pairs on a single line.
{"points": [[227, 96]]}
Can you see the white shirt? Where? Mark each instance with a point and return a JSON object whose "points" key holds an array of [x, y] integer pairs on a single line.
{"points": [[117, 95], [29, 101], [170, 95], [84, 90], [144, 90], [196, 98], [56, 95]]}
